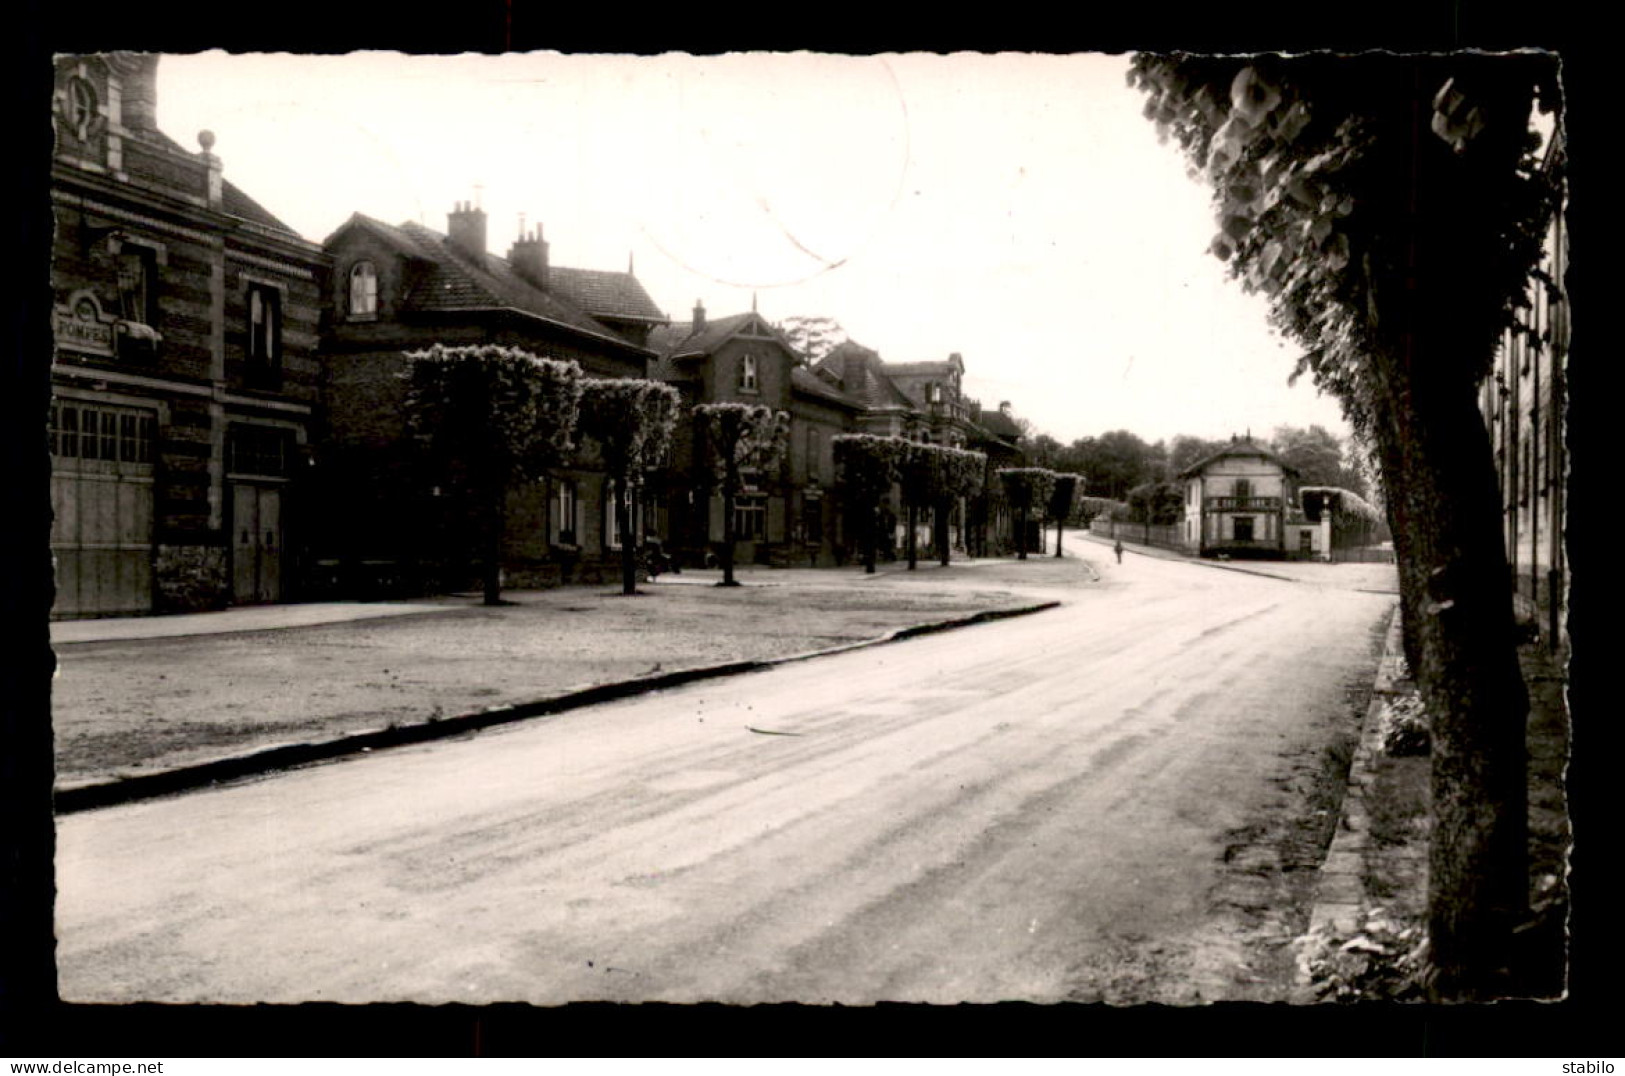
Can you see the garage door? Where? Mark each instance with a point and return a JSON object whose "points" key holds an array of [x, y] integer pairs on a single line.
{"points": [[102, 504]]}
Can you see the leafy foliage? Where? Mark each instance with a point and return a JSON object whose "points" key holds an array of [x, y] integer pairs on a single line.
{"points": [[1115, 462], [1157, 503], [1383, 960], [1308, 157], [503, 411], [1063, 495], [1027, 487], [1344, 504], [1319, 457], [743, 437], [489, 418], [812, 336], [632, 421], [1391, 208], [1088, 507], [1403, 727]]}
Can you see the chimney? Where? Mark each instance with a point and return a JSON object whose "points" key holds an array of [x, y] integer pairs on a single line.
{"points": [[699, 315], [1004, 408], [528, 256], [465, 229], [138, 89]]}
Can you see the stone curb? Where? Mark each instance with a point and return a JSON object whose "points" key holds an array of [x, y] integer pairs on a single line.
{"points": [[84, 797], [1340, 885]]}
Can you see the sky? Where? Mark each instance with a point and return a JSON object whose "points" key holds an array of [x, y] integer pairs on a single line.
{"points": [[1016, 209]]}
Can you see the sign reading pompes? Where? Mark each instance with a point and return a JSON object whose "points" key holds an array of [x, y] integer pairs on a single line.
{"points": [[80, 325]]}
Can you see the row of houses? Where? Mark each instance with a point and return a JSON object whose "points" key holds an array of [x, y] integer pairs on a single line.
{"points": [[227, 421]]}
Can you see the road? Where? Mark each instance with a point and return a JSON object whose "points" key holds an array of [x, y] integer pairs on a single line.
{"points": [[1038, 809]]}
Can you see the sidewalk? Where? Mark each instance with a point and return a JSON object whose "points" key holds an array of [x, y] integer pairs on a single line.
{"points": [[1373, 881], [148, 706]]}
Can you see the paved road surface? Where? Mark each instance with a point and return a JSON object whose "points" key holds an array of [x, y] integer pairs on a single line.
{"points": [[1034, 809]]}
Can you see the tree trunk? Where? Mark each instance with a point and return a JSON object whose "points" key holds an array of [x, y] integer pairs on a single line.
{"points": [[629, 552], [943, 510], [1021, 533], [913, 539], [496, 515], [1457, 607], [871, 525], [1057, 537], [1433, 317], [728, 488]]}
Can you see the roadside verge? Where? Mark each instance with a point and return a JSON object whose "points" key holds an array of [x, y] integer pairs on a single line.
{"points": [[93, 794]]}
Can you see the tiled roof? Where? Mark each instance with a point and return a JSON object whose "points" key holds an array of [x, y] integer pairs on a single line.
{"points": [[863, 376], [805, 381], [456, 281], [604, 293], [680, 340], [999, 425], [917, 369], [232, 199], [1244, 447]]}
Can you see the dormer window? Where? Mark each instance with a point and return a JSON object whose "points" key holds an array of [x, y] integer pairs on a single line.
{"points": [[933, 393], [363, 291], [747, 374]]}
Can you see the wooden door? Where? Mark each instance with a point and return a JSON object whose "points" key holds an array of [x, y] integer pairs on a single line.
{"points": [[256, 544], [101, 539]]}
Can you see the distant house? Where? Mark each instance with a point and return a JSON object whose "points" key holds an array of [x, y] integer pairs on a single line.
{"points": [[398, 288], [788, 517], [1238, 502], [185, 373]]}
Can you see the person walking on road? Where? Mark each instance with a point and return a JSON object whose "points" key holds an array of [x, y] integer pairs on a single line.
{"points": [[1118, 549]]}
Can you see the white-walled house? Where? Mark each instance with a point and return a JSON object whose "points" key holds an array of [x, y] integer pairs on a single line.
{"points": [[1238, 501]]}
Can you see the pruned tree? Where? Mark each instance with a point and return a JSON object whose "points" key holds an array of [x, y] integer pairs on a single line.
{"points": [[740, 438], [1028, 489], [867, 465], [631, 422], [1392, 209], [918, 475], [489, 418], [960, 473], [1061, 499]]}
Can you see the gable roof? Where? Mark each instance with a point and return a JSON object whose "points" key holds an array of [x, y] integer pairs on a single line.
{"points": [[863, 377], [808, 383], [1237, 449], [455, 281], [605, 293], [999, 424], [939, 367], [232, 199], [679, 340]]}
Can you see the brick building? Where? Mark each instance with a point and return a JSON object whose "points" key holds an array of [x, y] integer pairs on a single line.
{"points": [[399, 288], [1524, 402], [185, 371], [925, 401], [789, 517]]}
